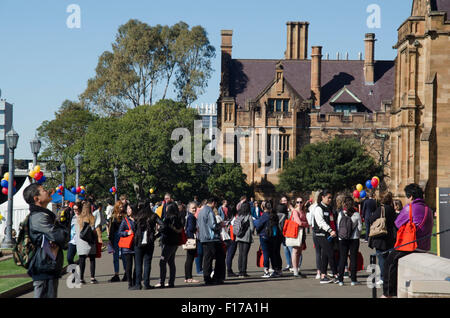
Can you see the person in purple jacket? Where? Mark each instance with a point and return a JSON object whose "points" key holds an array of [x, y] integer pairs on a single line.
{"points": [[423, 219]]}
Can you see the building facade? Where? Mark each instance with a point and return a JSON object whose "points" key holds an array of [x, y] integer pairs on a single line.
{"points": [[279, 106], [420, 119], [6, 118]]}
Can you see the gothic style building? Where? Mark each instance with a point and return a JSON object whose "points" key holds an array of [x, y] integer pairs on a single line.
{"points": [[420, 120], [309, 100], [395, 108]]}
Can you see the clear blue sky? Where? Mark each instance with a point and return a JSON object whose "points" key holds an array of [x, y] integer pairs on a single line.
{"points": [[43, 62]]}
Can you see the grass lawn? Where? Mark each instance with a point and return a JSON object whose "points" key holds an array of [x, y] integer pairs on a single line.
{"points": [[8, 267]]}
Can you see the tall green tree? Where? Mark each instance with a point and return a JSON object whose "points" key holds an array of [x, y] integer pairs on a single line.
{"points": [[139, 144], [142, 58], [227, 181], [60, 134], [337, 165]]}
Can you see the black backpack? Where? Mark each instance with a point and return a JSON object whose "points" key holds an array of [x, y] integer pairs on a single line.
{"points": [[243, 229], [345, 227]]}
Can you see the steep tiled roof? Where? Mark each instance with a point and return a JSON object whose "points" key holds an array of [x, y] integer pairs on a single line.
{"points": [[250, 77], [441, 5]]}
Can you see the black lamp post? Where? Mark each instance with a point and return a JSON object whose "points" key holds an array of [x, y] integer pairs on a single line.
{"points": [[63, 183], [35, 148], [11, 141], [78, 159], [116, 174]]}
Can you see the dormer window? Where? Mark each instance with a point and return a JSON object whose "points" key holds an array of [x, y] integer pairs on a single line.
{"points": [[345, 108], [278, 105]]}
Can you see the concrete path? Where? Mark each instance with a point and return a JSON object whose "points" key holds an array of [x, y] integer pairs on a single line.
{"points": [[252, 287]]}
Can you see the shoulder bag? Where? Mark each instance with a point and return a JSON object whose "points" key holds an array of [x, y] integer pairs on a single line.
{"points": [[127, 241], [290, 228], [378, 228]]}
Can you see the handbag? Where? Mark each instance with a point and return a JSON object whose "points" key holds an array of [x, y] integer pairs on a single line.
{"points": [[259, 258], [407, 233], [191, 244], [127, 241], [378, 228], [183, 237], [290, 228], [98, 253], [87, 234]]}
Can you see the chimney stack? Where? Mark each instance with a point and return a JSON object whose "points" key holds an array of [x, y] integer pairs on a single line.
{"points": [[369, 61], [297, 40], [226, 49], [316, 65]]}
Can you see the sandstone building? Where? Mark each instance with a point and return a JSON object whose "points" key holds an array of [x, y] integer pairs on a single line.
{"points": [[398, 109], [420, 121]]}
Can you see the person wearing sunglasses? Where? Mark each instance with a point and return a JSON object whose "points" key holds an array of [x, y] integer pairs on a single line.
{"points": [[298, 244]]}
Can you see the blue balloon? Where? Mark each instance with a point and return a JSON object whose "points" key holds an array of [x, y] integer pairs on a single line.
{"points": [[362, 194], [111, 190], [82, 191], [4, 184], [369, 184], [43, 179], [73, 190]]}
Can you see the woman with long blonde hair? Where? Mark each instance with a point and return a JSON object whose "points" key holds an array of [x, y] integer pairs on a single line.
{"points": [[86, 249], [114, 237]]}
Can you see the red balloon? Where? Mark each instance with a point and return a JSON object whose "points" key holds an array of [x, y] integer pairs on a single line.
{"points": [[78, 189], [356, 194], [38, 175], [114, 189], [5, 191], [374, 182]]}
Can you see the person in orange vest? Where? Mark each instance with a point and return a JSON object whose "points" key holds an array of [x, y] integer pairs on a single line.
{"points": [[161, 210]]}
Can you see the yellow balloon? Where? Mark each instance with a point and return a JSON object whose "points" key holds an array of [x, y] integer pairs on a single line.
{"points": [[37, 168], [82, 187], [6, 176], [151, 190], [31, 174], [359, 187], [377, 179]]}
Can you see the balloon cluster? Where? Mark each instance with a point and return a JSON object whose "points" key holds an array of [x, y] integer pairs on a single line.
{"points": [[37, 175], [60, 189], [370, 184], [78, 190], [113, 190], [4, 184]]}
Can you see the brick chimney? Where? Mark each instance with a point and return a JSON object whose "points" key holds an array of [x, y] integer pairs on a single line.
{"points": [[226, 49], [316, 65], [297, 41], [369, 60]]}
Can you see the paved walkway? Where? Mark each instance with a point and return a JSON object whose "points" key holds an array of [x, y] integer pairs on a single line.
{"points": [[252, 287]]}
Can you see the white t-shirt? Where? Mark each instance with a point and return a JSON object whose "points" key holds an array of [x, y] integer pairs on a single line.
{"points": [[109, 211]]}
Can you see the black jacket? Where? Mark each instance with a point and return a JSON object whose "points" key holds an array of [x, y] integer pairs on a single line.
{"points": [[169, 235], [384, 242], [43, 223], [148, 224]]}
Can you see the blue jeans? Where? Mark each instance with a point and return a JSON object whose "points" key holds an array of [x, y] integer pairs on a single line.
{"points": [[143, 259], [199, 258], [116, 254], [231, 251], [71, 252], [287, 253], [381, 261]]}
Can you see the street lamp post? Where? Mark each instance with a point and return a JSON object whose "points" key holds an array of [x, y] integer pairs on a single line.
{"points": [[35, 148], [11, 141], [116, 174], [63, 176], [78, 158]]}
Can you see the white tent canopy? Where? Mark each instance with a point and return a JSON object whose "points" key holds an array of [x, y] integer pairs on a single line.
{"points": [[20, 210]]}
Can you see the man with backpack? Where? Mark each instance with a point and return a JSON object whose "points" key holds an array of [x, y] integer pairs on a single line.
{"points": [[349, 226], [48, 238], [209, 236]]}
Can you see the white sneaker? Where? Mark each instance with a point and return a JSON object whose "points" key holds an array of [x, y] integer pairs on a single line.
{"points": [[266, 275], [380, 282], [341, 283], [318, 276], [291, 269]]}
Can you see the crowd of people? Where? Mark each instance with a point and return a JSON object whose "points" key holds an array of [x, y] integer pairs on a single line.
{"points": [[211, 232]]}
